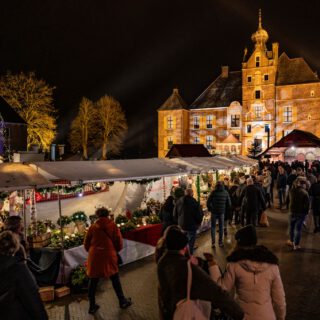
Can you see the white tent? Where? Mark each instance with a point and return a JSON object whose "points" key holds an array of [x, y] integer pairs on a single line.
{"points": [[110, 170], [19, 176]]}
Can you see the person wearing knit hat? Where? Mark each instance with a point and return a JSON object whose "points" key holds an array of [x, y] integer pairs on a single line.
{"points": [[253, 273], [247, 236]]}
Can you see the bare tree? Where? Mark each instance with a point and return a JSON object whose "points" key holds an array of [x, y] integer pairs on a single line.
{"points": [[32, 99], [111, 125], [82, 127]]}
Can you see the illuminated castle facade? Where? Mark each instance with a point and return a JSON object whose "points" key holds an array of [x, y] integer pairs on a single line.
{"points": [[268, 98]]}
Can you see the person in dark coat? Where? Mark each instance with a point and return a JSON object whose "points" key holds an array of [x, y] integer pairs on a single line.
{"points": [[19, 295], [315, 194], [103, 240], [252, 201], [299, 208], [166, 213], [219, 205], [173, 274], [281, 186], [188, 215]]}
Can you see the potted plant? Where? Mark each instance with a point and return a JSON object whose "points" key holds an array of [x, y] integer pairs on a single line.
{"points": [[79, 279], [65, 223], [80, 219]]}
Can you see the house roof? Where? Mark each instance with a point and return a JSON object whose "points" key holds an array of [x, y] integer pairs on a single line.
{"points": [[230, 139], [221, 92], [174, 102], [297, 139], [188, 150], [8, 114], [294, 71]]}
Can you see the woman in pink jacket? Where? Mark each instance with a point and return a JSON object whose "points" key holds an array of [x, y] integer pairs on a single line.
{"points": [[254, 274]]}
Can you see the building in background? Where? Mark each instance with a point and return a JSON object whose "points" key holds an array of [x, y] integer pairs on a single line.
{"points": [[271, 96], [13, 130]]}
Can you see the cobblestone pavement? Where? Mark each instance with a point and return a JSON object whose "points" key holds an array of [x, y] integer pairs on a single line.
{"points": [[300, 273]]}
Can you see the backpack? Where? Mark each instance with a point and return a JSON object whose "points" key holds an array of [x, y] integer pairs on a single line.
{"points": [[188, 309]]}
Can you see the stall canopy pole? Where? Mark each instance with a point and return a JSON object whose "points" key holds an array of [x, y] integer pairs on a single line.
{"points": [[24, 209], [198, 187], [62, 238]]}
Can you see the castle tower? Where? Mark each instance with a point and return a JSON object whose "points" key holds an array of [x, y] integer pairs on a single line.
{"points": [[173, 123], [258, 91]]}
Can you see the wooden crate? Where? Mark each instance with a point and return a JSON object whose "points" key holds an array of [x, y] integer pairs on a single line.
{"points": [[40, 241], [46, 294], [61, 292]]}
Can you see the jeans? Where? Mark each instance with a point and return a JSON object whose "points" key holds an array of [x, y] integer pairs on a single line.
{"points": [[93, 283], [191, 235], [295, 228], [214, 218], [282, 195]]}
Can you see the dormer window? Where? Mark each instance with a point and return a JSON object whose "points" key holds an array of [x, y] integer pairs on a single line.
{"points": [[257, 61]]}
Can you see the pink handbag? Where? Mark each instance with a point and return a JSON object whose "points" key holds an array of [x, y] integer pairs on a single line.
{"points": [[188, 309]]}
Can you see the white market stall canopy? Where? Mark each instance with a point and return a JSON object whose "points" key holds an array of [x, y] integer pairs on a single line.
{"points": [[109, 170], [19, 176], [135, 169]]}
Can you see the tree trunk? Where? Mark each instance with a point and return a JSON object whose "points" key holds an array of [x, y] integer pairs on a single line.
{"points": [[85, 152], [104, 151]]}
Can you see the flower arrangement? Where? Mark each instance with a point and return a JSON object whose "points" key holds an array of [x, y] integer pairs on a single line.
{"points": [[69, 241], [37, 228], [153, 219], [128, 227], [79, 278], [79, 216], [121, 219], [65, 220], [139, 213]]}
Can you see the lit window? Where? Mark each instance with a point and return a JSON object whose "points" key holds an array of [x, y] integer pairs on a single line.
{"points": [[169, 122], [196, 140], [312, 93], [196, 122], [235, 120], [266, 77], [258, 111], [249, 78], [170, 142], [257, 61], [257, 94], [309, 116], [249, 128], [287, 114], [209, 141], [209, 121]]}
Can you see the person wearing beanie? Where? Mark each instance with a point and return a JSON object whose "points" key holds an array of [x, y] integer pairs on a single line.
{"points": [[173, 274], [253, 273]]}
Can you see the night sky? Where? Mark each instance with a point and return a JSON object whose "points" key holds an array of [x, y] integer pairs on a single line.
{"points": [[138, 50]]}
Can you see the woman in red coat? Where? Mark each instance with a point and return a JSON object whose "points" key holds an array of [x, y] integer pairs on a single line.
{"points": [[103, 241]]}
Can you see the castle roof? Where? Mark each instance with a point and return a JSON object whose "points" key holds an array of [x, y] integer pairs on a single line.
{"points": [[231, 139], [174, 102], [294, 71], [188, 150], [8, 114], [221, 92]]}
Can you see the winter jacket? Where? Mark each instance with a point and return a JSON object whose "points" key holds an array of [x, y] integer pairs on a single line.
{"points": [[172, 275], [315, 194], [253, 200], [255, 275], [19, 296], [291, 179], [103, 241], [166, 216], [299, 201], [187, 213], [281, 181], [219, 202], [267, 181]]}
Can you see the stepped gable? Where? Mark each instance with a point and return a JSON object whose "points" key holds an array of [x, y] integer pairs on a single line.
{"points": [[174, 102], [224, 90], [294, 71]]}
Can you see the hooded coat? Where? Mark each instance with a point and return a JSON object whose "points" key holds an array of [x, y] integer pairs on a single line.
{"points": [[103, 241], [255, 275], [19, 296]]}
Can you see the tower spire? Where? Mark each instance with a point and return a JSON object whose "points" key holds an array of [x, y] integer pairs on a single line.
{"points": [[260, 19]]}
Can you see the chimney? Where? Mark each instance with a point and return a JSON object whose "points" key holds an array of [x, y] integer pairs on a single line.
{"points": [[275, 52], [224, 71]]}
